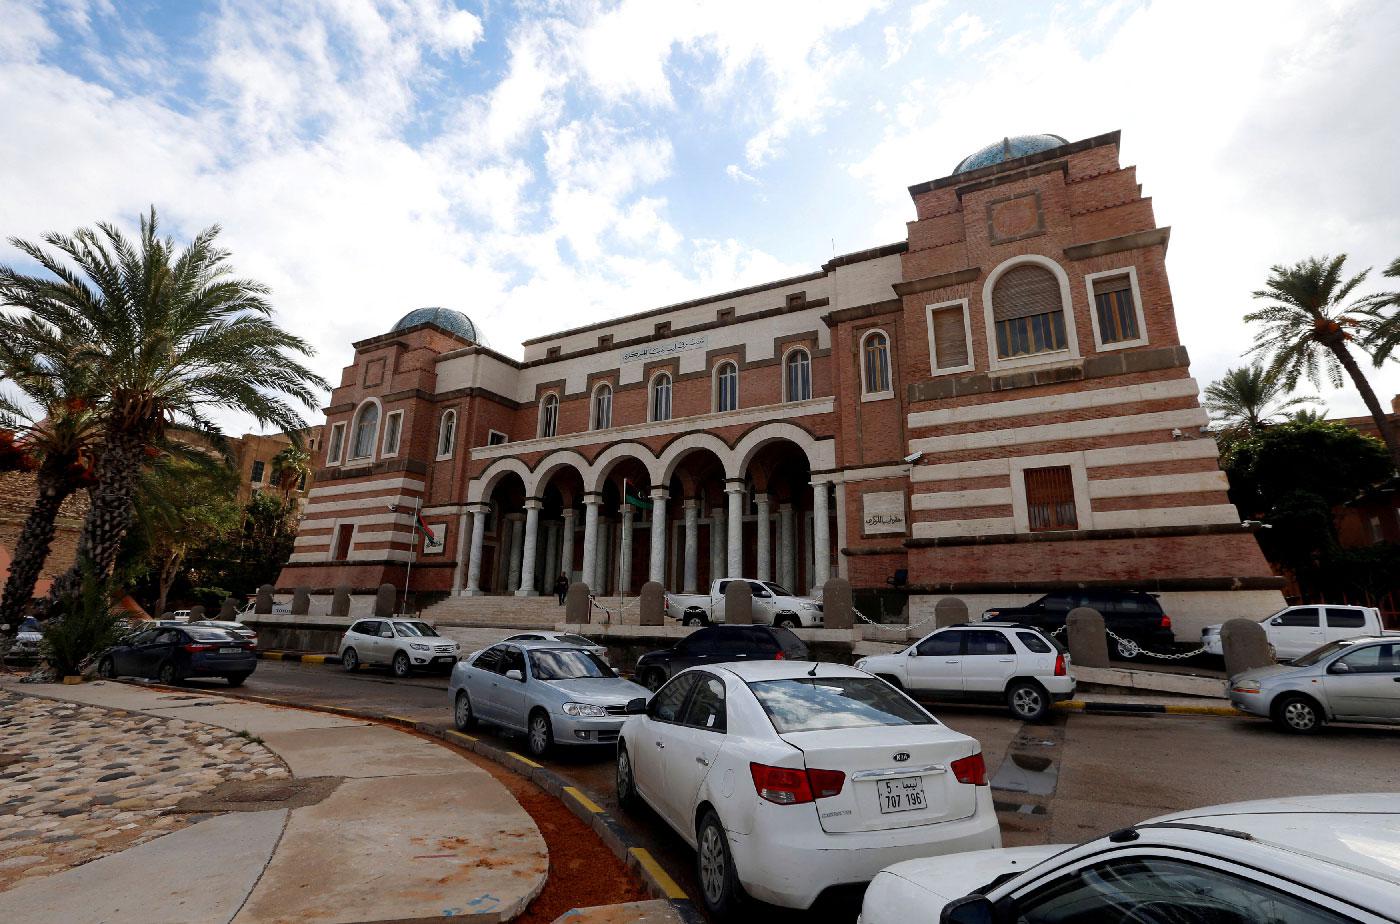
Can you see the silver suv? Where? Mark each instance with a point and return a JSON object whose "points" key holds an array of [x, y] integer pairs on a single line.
{"points": [[402, 644]]}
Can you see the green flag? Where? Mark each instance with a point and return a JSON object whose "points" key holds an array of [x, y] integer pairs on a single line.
{"points": [[637, 501]]}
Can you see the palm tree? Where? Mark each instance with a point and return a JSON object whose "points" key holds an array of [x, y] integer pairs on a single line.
{"points": [[1308, 325], [1386, 335], [289, 467], [170, 335], [1247, 399]]}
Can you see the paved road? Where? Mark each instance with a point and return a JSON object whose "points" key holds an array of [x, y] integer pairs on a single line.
{"points": [[1074, 778]]}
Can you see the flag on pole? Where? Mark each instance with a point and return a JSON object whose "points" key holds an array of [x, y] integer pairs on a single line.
{"points": [[637, 501], [419, 524]]}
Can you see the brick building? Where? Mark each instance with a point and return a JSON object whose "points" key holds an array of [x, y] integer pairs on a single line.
{"points": [[998, 405]]}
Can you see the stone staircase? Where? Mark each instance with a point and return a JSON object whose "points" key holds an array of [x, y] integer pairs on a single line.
{"points": [[516, 612]]}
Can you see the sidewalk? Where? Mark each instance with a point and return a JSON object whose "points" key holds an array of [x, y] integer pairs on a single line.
{"points": [[280, 815]]}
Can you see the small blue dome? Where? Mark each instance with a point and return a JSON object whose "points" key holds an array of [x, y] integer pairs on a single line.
{"points": [[454, 322], [1008, 149]]}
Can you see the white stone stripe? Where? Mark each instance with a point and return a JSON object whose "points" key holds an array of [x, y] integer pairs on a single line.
{"points": [[1166, 516], [383, 484], [355, 555], [403, 519], [1093, 458], [872, 473], [1050, 404], [1159, 484], [1069, 430], [383, 500], [948, 500], [986, 526]]}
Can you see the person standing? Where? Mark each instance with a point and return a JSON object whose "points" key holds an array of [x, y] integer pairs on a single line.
{"points": [[561, 587]]}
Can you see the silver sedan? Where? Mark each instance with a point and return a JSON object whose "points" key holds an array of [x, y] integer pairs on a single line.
{"points": [[1352, 680], [555, 694]]}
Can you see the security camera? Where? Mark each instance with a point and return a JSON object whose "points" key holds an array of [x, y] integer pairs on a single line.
{"points": [[1176, 433], [913, 457]]}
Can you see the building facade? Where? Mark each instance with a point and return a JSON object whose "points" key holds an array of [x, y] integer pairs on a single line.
{"points": [[995, 407]]}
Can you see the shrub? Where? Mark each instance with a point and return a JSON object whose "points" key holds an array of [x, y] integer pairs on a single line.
{"points": [[85, 627]]}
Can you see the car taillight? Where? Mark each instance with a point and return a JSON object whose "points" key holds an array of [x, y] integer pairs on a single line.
{"points": [[1166, 621], [192, 649], [778, 656], [970, 770], [1060, 665], [788, 786]]}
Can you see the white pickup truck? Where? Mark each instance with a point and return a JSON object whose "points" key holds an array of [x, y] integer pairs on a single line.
{"points": [[772, 606], [1296, 630]]}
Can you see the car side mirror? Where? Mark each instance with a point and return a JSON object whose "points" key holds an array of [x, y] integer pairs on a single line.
{"points": [[637, 706], [515, 675], [1341, 667], [970, 909], [386, 635]]}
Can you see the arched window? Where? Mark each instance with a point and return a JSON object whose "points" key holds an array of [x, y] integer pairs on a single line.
{"points": [[364, 431], [549, 415], [726, 387], [797, 376], [447, 434], [1028, 311], [661, 397], [875, 363], [602, 407]]}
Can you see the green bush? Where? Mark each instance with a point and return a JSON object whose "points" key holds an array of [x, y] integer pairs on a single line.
{"points": [[85, 626]]}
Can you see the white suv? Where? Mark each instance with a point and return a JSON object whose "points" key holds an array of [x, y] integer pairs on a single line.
{"points": [[997, 662], [403, 644]]}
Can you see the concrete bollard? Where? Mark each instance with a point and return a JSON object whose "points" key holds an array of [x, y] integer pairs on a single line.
{"points": [[340, 602], [228, 610], [196, 612], [263, 607], [738, 604], [949, 611], [576, 605], [838, 611], [1088, 642], [301, 602], [653, 607], [385, 600], [1245, 645]]}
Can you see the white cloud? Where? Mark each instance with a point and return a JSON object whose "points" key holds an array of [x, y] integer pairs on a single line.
{"points": [[737, 174], [962, 33]]}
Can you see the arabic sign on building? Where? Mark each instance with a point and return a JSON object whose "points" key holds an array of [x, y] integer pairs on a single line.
{"points": [[883, 512], [659, 350]]}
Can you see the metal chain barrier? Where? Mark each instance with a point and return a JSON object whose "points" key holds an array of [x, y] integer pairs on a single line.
{"points": [[1129, 648], [895, 627]]}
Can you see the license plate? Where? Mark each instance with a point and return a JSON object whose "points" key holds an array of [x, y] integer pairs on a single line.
{"points": [[230, 650], [905, 794]]}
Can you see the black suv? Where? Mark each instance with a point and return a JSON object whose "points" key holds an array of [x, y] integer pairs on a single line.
{"points": [[1129, 614], [716, 645]]}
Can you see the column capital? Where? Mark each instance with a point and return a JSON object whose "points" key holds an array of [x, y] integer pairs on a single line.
{"points": [[761, 498], [660, 493], [626, 509], [823, 480], [479, 509], [534, 503], [785, 508], [568, 513], [690, 503], [515, 517], [732, 485], [593, 498]]}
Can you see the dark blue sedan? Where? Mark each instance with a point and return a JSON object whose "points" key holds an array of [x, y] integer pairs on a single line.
{"points": [[172, 653]]}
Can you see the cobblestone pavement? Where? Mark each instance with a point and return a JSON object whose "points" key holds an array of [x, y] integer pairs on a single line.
{"points": [[78, 783]]}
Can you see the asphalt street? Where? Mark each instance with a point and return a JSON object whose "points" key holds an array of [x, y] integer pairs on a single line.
{"points": [[1076, 777]]}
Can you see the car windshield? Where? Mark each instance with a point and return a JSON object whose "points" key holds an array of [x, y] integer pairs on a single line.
{"points": [[818, 703], [576, 640], [567, 664], [1317, 654], [30, 624], [201, 634], [777, 590], [424, 629], [406, 630]]}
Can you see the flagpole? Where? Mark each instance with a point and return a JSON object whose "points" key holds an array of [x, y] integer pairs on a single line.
{"points": [[412, 550], [621, 581]]}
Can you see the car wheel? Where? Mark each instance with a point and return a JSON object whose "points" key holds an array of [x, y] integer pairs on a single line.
{"points": [[236, 680], [1298, 714], [719, 885], [695, 619], [1027, 701], [350, 661], [626, 785], [402, 668], [462, 715], [540, 735], [788, 621], [106, 669], [167, 673], [653, 679]]}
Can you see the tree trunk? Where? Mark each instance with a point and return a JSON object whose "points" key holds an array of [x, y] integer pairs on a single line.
{"points": [[110, 515], [32, 547], [1373, 404], [169, 569]]}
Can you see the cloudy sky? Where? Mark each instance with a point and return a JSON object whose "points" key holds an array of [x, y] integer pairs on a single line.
{"points": [[541, 165]]}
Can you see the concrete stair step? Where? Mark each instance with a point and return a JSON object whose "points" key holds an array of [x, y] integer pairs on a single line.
{"points": [[512, 612]]}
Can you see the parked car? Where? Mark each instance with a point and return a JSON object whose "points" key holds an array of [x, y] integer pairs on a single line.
{"points": [[793, 777], [176, 616], [233, 628], [1296, 630], [1301, 860], [1350, 680], [991, 662], [1136, 618], [555, 694], [560, 638], [174, 653], [401, 644], [28, 639], [715, 645], [772, 606]]}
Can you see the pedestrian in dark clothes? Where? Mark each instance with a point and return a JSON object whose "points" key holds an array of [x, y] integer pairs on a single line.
{"points": [[561, 587]]}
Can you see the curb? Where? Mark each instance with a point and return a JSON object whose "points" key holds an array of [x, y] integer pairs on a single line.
{"points": [[277, 654], [636, 857], [1109, 708]]}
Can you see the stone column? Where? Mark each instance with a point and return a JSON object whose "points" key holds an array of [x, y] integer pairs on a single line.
{"points": [[841, 563], [474, 557], [530, 552], [551, 556], [734, 489], [765, 539], [718, 558], [591, 502], [459, 573], [657, 569], [566, 544], [624, 555], [787, 548], [692, 543], [517, 541], [821, 534]]}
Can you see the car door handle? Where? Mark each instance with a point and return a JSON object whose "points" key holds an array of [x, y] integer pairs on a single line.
{"points": [[1007, 660], [702, 761], [658, 744], [952, 662]]}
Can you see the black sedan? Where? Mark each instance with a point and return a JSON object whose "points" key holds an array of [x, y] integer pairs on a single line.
{"points": [[716, 645], [172, 653]]}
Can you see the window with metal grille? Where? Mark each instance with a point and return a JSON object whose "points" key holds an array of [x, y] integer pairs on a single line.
{"points": [[333, 446], [602, 407], [1028, 311], [258, 467], [447, 434], [799, 375], [1050, 498], [877, 363], [393, 425], [1113, 300], [949, 338], [727, 387], [661, 397], [549, 415], [366, 427]]}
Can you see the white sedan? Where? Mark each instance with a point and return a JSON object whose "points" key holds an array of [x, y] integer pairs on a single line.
{"points": [[790, 777], [1305, 860]]}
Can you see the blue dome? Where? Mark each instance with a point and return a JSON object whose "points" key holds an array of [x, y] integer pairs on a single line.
{"points": [[454, 322], [1008, 149]]}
